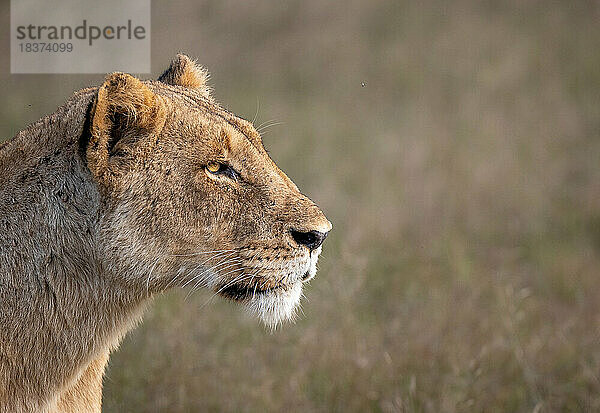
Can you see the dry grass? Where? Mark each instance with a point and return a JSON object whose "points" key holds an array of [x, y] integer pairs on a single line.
{"points": [[463, 182]]}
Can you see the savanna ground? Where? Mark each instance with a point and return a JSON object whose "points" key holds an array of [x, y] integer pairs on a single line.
{"points": [[463, 183]]}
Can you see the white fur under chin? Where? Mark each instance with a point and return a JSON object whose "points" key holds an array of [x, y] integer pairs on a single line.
{"points": [[274, 307]]}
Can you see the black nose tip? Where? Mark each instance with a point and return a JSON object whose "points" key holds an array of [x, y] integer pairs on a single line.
{"points": [[311, 239]]}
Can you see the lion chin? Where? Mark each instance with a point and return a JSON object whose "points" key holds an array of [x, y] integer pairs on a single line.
{"points": [[272, 304], [275, 306]]}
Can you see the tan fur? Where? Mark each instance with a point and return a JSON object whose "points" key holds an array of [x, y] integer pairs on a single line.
{"points": [[185, 72], [85, 394], [108, 201]]}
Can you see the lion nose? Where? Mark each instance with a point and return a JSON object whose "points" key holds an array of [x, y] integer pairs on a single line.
{"points": [[311, 239]]}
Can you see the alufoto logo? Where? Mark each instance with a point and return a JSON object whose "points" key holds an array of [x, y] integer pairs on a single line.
{"points": [[82, 32]]}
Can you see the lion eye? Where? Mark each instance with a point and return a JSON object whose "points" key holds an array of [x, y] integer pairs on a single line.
{"points": [[213, 167], [217, 168]]}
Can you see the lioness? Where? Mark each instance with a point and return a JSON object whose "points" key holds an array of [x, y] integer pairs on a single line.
{"points": [[127, 190]]}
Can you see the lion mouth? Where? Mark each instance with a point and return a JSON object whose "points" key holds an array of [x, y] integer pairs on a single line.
{"points": [[272, 303], [273, 283], [241, 292]]}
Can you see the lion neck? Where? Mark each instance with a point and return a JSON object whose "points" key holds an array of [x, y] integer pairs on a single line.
{"points": [[60, 308]]}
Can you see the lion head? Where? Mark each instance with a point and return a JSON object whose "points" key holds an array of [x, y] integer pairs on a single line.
{"points": [[191, 197]]}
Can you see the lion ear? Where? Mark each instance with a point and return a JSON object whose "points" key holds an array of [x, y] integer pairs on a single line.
{"points": [[125, 111], [185, 72]]}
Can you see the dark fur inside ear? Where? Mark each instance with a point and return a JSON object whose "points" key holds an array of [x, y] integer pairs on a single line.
{"points": [[185, 72]]}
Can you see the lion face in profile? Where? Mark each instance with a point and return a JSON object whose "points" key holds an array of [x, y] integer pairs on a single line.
{"points": [[192, 198]]}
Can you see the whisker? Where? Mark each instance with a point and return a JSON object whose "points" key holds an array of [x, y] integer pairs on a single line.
{"points": [[201, 278], [177, 276], [236, 279], [264, 128], [257, 108], [222, 259], [211, 268], [302, 296], [254, 291], [150, 275], [252, 279], [264, 123], [240, 278], [230, 263], [220, 254], [202, 252], [230, 271]]}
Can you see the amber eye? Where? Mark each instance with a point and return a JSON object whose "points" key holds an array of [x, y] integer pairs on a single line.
{"points": [[213, 167], [217, 168]]}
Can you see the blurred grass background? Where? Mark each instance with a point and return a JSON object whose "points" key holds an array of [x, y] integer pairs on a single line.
{"points": [[463, 183]]}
